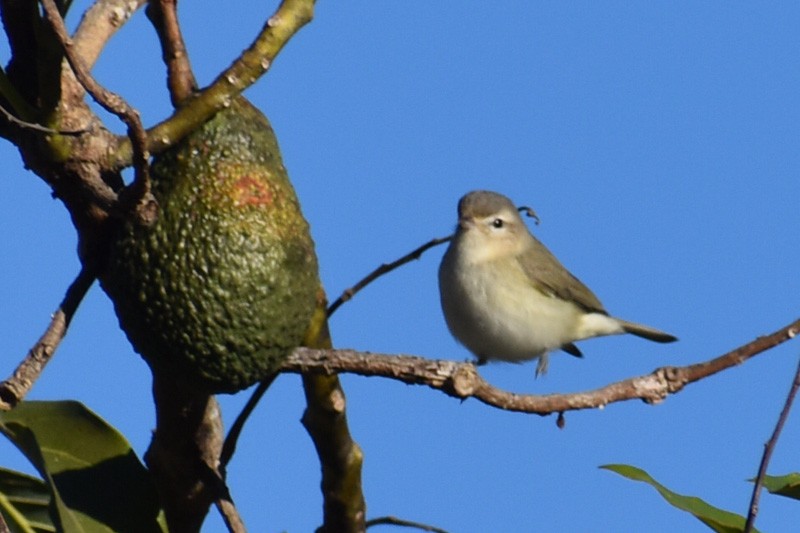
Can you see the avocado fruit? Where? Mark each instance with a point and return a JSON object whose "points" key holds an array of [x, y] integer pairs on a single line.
{"points": [[223, 286]]}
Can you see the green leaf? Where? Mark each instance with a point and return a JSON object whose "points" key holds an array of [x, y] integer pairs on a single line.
{"points": [[96, 481], [24, 503], [788, 485], [717, 519]]}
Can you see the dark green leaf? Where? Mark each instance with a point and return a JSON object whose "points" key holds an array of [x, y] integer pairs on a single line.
{"points": [[717, 519], [96, 480], [24, 502]]}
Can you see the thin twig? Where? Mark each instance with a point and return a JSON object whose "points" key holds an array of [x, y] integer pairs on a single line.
{"points": [[229, 446], [256, 60], [163, 14], [384, 269], [769, 447], [36, 127], [461, 380], [13, 389], [230, 515], [394, 521], [411, 256], [138, 193], [224, 501]]}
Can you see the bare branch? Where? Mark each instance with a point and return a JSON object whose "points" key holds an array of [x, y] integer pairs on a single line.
{"points": [[230, 515], [769, 447], [14, 389], [325, 419], [98, 24], [384, 269], [394, 521], [290, 16], [326, 422], [138, 194], [229, 446], [340, 457], [184, 452], [461, 380], [163, 14], [35, 127], [223, 501]]}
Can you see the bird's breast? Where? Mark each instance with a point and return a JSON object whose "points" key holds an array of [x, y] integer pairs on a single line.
{"points": [[497, 313]]}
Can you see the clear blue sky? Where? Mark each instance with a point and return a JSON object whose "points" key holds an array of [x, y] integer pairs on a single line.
{"points": [[658, 142]]}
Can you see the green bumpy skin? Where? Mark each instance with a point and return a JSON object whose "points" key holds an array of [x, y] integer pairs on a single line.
{"points": [[223, 286]]}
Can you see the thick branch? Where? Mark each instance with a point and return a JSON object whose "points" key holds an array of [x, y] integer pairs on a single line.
{"points": [[290, 16], [19, 22], [325, 419], [461, 380], [184, 453], [98, 24], [139, 197], [163, 14], [340, 457], [14, 389]]}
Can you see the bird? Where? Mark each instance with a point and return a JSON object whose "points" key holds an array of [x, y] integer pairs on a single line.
{"points": [[506, 297]]}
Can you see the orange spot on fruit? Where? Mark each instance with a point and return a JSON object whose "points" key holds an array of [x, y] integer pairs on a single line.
{"points": [[250, 191]]}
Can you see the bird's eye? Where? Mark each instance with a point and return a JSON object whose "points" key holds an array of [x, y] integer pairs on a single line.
{"points": [[497, 223]]}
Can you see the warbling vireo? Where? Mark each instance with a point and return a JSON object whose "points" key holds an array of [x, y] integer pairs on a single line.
{"points": [[506, 297]]}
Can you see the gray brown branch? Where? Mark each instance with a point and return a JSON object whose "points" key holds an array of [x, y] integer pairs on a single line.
{"points": [[138, 196], [98, 24], [461, 380], [769, 447], [385, 269], [14, 389], [163, 14], [340, 457], [395, 521], [254, 62], [183, 456]]}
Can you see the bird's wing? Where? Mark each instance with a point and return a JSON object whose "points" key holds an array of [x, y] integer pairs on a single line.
{"points": [[548, 275]]}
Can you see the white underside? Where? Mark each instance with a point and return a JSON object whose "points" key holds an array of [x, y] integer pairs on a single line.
{"points": [[496, 314]]}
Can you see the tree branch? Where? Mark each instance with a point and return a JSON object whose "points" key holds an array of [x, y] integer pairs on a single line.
{"points": [[184, 453], [394, 521], [138, 194], [290, 16], [344, 508], [14, 389], [385, 268], [768, 449], [25, 125], [229, 446], [461, 380], [98, 24], [163, 14], [230, 515]]}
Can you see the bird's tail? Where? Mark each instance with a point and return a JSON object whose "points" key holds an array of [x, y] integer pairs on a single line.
{"points": [[646, 332]]}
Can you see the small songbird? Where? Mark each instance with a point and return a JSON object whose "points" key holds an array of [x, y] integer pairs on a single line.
{"points": [[506, 297]]}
